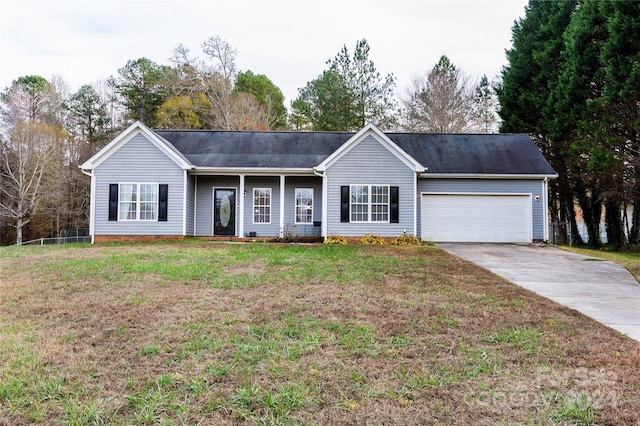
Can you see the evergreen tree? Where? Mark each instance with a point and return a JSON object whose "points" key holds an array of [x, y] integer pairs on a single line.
{"points": [[350, 94], [570, 110], [325, 104], [620, 57], [535, 63], [141, 86], [89, 114], [267, 94]]}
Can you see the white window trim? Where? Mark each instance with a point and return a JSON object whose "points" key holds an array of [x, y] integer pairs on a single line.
{"points": [[369, 204], [270, 206], [138, 201], [295, 212]]}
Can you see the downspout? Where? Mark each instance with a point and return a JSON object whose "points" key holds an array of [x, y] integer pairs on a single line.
{"points": [[241, 208], [185, 186], [92, 211], [323, 219], [195, 207], [282, 183], [417, 201], [545, 206]]}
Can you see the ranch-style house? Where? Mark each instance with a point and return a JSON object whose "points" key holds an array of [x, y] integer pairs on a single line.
{"points": [[148, 184]]}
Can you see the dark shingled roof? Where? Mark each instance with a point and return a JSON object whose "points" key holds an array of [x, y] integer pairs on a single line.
{"points": [[462, 153], [243, 149], [494, 154]]}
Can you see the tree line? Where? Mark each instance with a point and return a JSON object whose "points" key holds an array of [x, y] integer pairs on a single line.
{"points": [[46, 130], [573, 82]]}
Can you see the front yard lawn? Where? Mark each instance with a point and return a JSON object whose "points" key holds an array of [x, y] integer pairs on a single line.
{"points": [[213, 333]]}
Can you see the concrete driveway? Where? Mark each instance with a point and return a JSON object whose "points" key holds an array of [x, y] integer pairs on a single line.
{"points": [[601, 290]]}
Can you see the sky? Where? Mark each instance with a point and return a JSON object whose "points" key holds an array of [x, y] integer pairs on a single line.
{"points": [[289, 41]]}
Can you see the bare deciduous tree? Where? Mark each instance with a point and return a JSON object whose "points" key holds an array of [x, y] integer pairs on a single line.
{"points": [[213, 78], [26, 159], [485, 107], [247, 113], [440, 101]]}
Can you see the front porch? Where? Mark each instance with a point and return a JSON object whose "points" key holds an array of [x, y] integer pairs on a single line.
{"points": [[261, 207]]}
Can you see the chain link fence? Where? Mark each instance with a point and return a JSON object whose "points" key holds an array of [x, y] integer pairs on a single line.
{"points": [[67, 236]]}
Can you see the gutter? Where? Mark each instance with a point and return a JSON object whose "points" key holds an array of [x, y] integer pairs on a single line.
{"points": [[484, 176], [265, 171], [92, 204]]}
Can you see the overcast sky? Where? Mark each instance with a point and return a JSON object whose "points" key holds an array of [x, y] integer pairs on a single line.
{"points": [[287, 40]]}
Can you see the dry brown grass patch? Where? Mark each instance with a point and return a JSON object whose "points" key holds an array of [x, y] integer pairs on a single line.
{"points": [[427, 339]]}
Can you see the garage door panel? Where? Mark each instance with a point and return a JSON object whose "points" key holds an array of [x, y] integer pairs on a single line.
{"points": [[476, 218]]}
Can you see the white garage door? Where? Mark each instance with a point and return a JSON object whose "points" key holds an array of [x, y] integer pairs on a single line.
{"points": [[476, 218]]}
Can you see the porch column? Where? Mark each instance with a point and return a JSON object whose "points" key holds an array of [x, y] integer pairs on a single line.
{"points": [[281, 206], [241, 208], [325, 208]]}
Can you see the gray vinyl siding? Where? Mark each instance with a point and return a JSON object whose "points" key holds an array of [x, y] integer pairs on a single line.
{"points": [[262, 229], [370, 163], [139, 161], [302, 229], [191, 193], [204, 201], [491, 186]]}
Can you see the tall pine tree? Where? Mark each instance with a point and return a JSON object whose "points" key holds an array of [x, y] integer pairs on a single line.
{"points": [[535, 62]]}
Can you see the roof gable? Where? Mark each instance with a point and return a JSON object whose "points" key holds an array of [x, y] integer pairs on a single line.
{"points": [[124, 137], [371, 130]]}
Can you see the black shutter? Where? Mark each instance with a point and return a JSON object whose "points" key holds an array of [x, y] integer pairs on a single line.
{"points": [[113, 202], [394, 214], [344, 204], [163, 194]]}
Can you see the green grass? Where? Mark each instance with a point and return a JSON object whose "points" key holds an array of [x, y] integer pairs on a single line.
{"points": [[522, 338], [290, 264], [580, 410], [293, 334], [628, 260]]}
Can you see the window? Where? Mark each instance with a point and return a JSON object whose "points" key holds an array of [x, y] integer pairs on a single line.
{"points": [[128, 202], [148, 201], [369, 203], [304, 205], [359, 203], [262, 205], [379, 203], [138, 201]]}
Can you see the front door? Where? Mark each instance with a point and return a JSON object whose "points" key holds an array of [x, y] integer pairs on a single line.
{"points": [[224, 212]]}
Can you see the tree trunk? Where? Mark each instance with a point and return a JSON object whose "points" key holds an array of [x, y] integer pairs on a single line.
{"points": [[568, 212], [19, 226], [591, 209], [613, 224], [634, 233]]}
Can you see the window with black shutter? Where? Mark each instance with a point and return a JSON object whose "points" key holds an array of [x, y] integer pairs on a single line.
{"points": [[344, 204], [163, 194], [394, 204], [113, 202]]}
